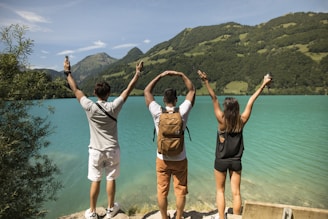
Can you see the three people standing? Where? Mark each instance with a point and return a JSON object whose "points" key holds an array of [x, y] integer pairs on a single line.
{"points": [[104, 150]]}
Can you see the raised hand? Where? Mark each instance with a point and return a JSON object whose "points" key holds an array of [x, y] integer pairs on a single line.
{"points": [[202, 75], [139, 67]]}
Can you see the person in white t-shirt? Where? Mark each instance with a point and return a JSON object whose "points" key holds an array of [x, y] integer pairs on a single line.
{"points": [[171, 166], [104, 148]]}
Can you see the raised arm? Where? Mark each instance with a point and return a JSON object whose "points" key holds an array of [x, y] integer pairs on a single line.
{"points": [[149, 88], [215, 101], [77, 92], [125, 94], [248, 109], [148, 91], [71, 82], [190, 86]]}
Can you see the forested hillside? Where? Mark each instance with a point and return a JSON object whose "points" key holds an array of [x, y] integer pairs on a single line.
{"points": [[293, 48]]}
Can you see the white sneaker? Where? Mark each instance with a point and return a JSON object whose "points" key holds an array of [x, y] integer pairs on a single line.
{"points": [[90, 215], [111, 212]]}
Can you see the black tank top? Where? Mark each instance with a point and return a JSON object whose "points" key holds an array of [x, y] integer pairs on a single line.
{"points": [[231, 148]]}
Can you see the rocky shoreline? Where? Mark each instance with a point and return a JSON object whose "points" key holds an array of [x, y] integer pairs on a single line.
{"points": [[251, 210]]}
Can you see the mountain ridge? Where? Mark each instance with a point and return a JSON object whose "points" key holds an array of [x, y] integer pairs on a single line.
{"points": [[293, 47]]}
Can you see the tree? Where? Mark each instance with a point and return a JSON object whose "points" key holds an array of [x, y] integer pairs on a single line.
{"points": [[28, 177]]}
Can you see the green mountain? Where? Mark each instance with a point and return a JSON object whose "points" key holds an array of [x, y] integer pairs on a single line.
{"points": [[294, 48], [91, 66], [52, 73], [117, 74]]}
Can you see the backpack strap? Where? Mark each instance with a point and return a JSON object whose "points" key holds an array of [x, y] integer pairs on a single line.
{"points": [[102, 109], [164, 110], [188, 132]]}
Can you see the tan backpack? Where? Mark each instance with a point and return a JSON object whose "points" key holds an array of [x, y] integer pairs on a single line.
{"points": [[170, 139]]}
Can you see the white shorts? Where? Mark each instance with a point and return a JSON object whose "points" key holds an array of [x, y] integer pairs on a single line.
{"points": [[107, 160]]}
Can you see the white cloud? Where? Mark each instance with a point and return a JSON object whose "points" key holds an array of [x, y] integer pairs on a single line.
{"points": [[146, 41], [32, 17], [96, 45], [42, 66], [128, 45], [66, 52]]}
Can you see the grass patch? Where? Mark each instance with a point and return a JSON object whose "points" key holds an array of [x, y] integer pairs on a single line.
{"points": [[194, 54], [288, 25], [243, 36], [261, 51], [303, 48], [156, 61], [218, 39], [236, 87], [121, 73], [136, 92], [203, 89]]}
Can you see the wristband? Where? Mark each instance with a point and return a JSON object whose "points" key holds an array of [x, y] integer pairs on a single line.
{"points": [[67, 73]]}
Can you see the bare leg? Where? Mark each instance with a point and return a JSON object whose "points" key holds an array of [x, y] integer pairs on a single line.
{"points": [[220, 187], [235, 178], [110, 188], [94, 192], [162, 204], [180, 204]]}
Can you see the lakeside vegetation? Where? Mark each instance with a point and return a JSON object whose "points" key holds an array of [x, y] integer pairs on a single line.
{"points": [[28, 177]]}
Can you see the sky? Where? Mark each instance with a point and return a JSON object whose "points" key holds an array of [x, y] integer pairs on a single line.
{"points": [[79, 28]]}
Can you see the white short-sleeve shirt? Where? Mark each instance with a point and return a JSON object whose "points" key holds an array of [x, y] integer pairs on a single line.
{"points": [[103, 130]]}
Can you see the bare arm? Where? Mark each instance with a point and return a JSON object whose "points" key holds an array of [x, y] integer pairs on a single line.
{"points": [[125, 94], [149, 88], [216, 105], [190, 86], [248, 109], [72, 84], [148, 91]]}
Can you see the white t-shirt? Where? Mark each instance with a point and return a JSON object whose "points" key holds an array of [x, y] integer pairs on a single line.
{"points": [[103, 130], [184, 109]]}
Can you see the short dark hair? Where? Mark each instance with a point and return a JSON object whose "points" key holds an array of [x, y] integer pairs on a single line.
{"points": [[102, 89], [170, 95]]}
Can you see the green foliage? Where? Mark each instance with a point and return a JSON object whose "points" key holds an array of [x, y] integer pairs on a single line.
{"points": [[28, 177], [292, 47]]}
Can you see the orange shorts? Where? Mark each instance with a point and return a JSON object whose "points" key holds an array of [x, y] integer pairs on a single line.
{"points": [[164, 171]]}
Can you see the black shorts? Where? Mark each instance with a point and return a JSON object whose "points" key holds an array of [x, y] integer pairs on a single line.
{"points": [[222, 165]]}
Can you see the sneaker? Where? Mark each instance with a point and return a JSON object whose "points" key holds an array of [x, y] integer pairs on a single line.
{"points": [[111, 212], [90, 215]]}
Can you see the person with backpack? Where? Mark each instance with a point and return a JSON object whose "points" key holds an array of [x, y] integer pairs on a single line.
{"points": [[104, 148], [230, 144], [170, 122]]}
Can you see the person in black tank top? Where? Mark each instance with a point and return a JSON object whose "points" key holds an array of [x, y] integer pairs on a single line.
{"points": [[230, 144]]}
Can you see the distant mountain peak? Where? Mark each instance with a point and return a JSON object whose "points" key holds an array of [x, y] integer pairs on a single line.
{"points": [[92, 65], [132, 55]]}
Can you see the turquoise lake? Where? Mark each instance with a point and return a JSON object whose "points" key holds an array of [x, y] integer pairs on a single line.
{"points": [[285, 158]]}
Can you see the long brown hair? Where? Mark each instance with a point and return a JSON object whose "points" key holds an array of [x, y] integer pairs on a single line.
{"points": [[232, 117]]}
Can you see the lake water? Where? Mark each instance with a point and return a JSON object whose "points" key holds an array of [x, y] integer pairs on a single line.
{"points": [[285, 158]]}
